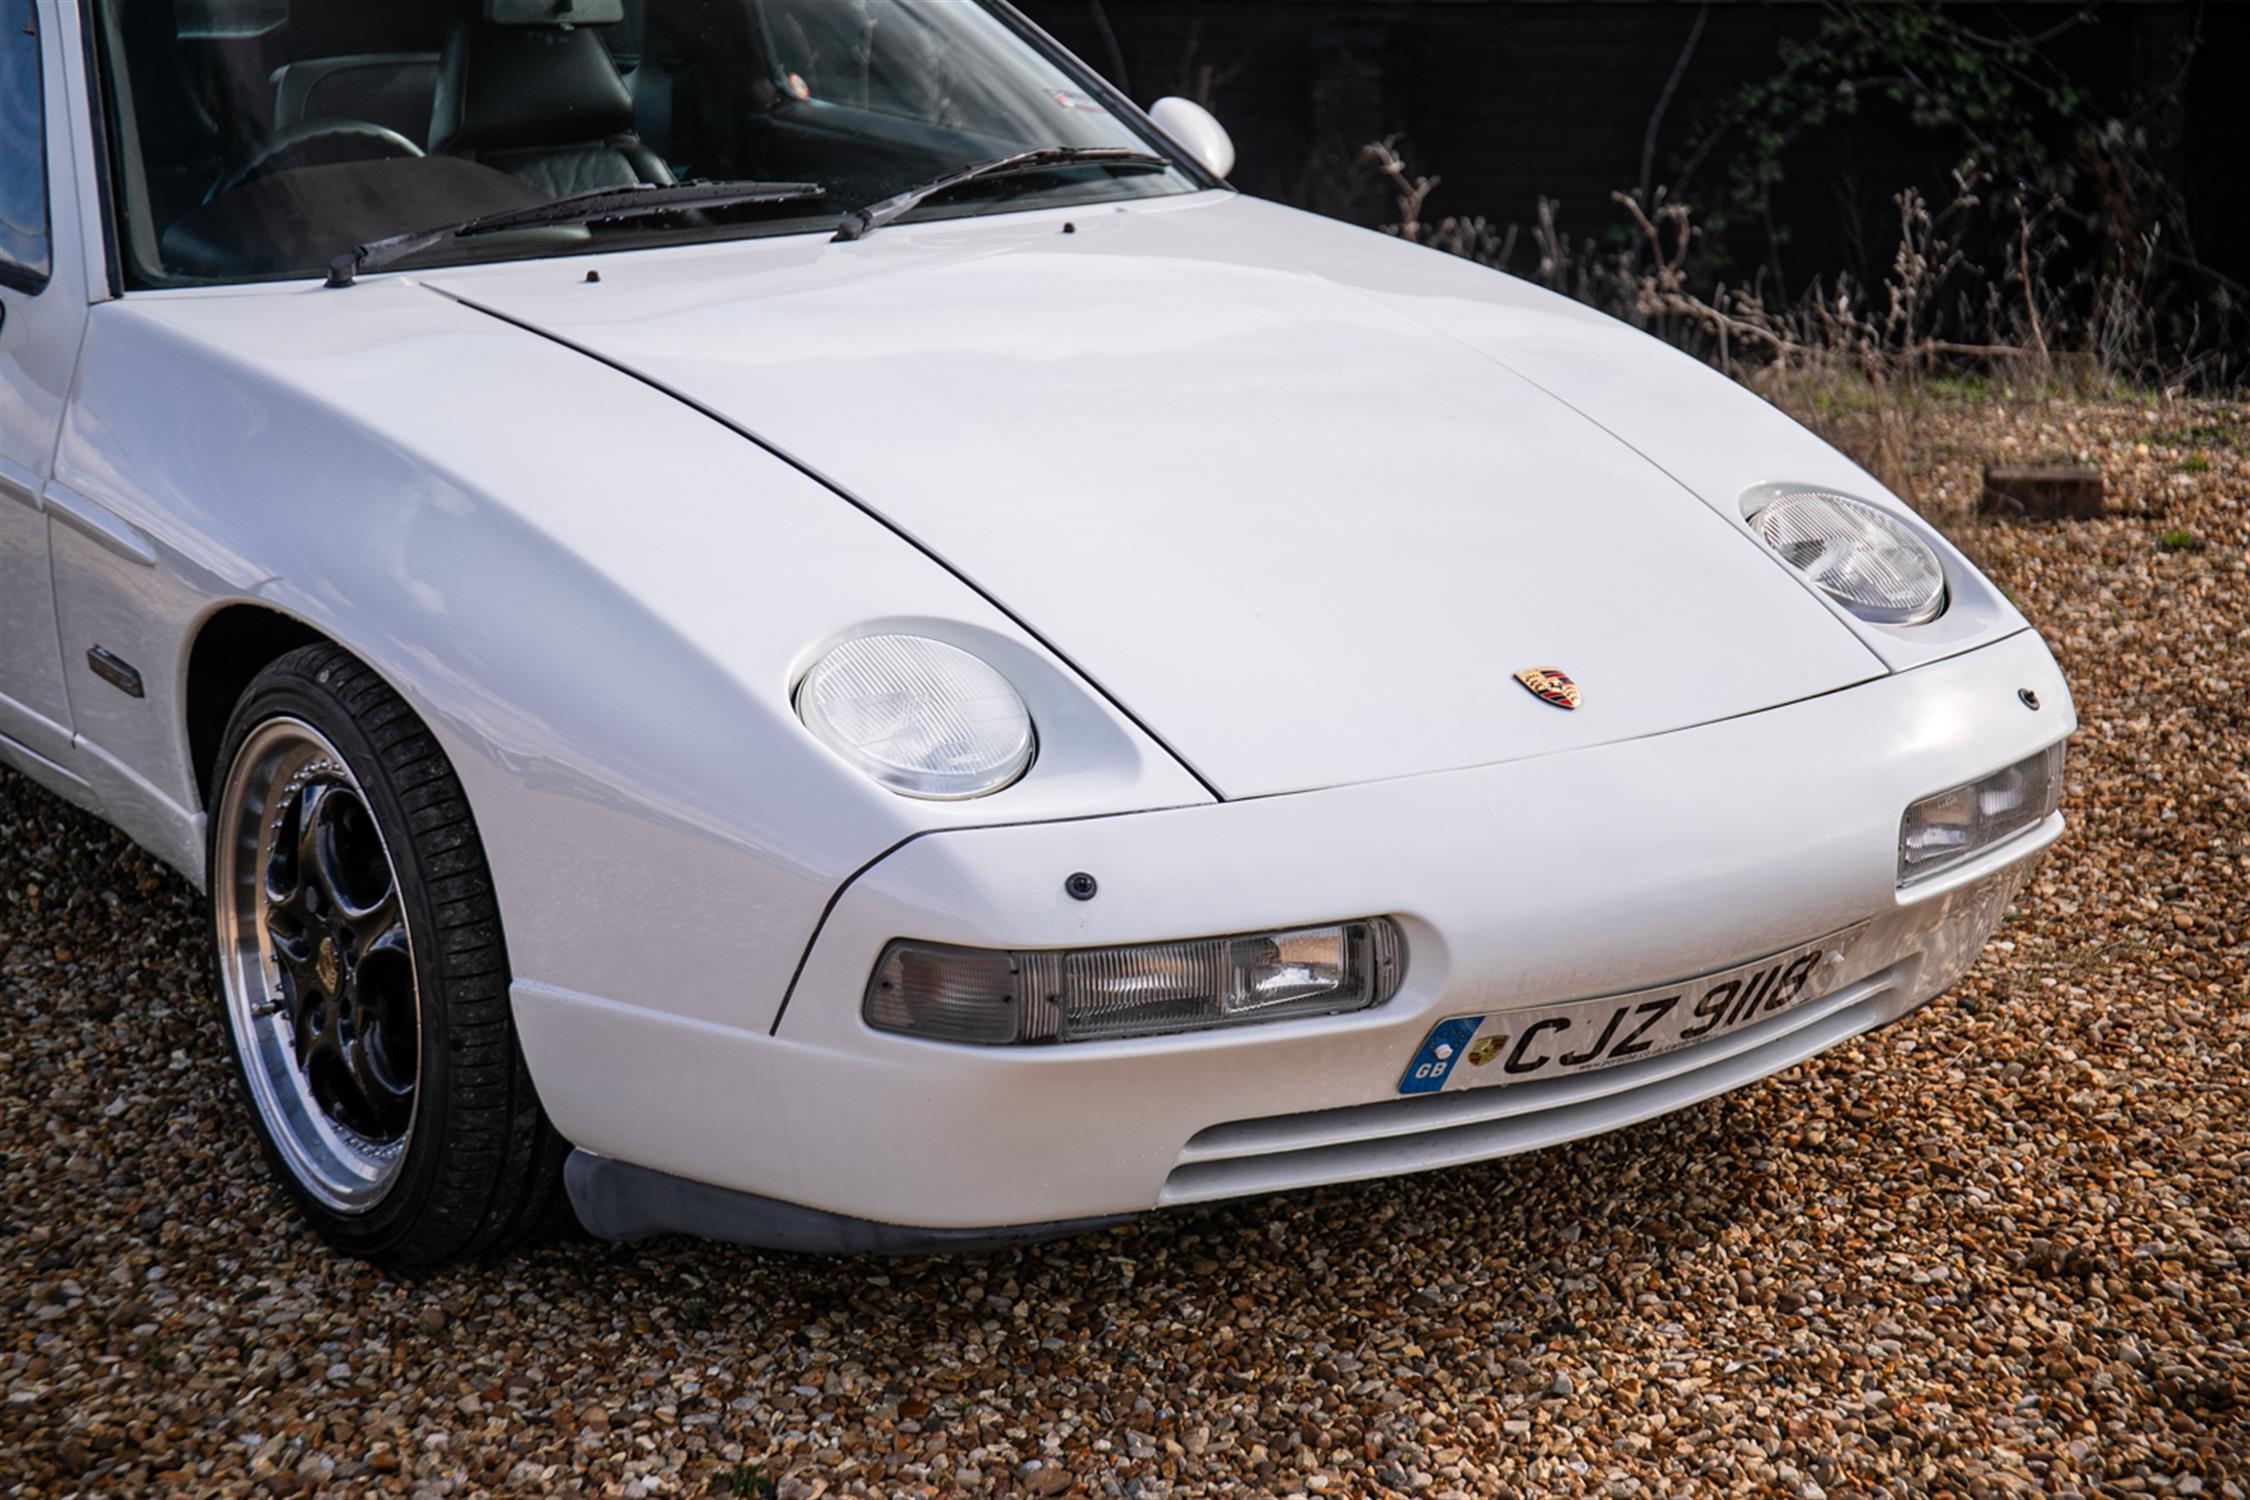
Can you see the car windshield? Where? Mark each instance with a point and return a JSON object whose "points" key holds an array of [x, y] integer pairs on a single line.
{"points": [[260, 139]]}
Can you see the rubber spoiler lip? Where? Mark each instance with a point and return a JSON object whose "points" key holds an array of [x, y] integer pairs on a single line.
{"points": [[621, 1202]]}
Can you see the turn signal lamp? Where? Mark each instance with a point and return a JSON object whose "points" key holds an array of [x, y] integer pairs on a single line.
{"points": [[993, 998], [1954, 827]]}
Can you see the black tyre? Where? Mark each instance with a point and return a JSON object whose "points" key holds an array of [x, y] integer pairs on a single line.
{"points": [[364, 976]]}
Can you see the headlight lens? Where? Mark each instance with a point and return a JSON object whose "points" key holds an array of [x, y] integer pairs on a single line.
{"points": [[919, 716], [1099, 994], [1952, 827], [1861, 557]]}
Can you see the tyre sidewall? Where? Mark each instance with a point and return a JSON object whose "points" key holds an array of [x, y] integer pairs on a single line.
{"points": [[377, 1233]]}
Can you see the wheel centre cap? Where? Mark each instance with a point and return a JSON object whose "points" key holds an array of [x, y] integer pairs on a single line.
{"points": [[328, 964]]}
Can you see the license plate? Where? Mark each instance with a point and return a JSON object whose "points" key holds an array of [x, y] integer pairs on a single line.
{"points": [[1523, 1046]]}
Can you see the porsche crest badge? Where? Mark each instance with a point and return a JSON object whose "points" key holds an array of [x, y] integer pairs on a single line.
{"points": [[1551, 685]]}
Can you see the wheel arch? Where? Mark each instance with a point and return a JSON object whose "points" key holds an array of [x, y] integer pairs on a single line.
{"points": [[232, 645]]}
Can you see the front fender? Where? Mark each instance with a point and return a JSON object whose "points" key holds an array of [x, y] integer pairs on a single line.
{"points": [[597, 597]]}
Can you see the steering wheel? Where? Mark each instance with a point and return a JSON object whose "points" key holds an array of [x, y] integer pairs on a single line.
{"points": [[316, 143]]}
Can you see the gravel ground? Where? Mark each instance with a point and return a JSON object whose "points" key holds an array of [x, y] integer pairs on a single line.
{"points": [[2001, 1248]]}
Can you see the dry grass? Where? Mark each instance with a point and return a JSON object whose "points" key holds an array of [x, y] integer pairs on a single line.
{"points": [[1960, 309]]}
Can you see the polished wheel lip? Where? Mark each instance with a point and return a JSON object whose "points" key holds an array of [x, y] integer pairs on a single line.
{"points": [[344, 1170]]}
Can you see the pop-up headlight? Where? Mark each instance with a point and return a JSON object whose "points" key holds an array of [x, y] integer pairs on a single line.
{"points": [[921, 717], [1858, 555]]}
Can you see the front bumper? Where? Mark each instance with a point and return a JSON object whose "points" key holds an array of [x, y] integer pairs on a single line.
{"points": [[1523, 884]]}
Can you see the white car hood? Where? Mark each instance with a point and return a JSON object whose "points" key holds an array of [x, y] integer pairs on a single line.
{"points": [[1301, 529]]}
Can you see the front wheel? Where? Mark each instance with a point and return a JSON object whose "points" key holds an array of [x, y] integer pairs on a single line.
{"points": [[364, 976]]}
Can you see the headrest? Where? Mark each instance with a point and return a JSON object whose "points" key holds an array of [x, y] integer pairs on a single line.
{"points": [[509, 87]]}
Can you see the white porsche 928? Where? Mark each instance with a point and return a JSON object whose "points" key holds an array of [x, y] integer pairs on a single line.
{"points": [[784, 619]]}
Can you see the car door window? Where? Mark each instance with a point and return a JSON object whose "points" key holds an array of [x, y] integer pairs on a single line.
{"points": [[26, 258]]}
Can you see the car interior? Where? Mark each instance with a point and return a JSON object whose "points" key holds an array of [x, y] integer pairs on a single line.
{"points": [[265, 137]]}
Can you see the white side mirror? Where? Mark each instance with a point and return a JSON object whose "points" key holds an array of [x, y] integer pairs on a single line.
{"points": [[1199, 130]]}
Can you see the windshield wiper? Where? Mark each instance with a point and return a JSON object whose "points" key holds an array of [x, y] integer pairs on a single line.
{"points": [[861, 222], [600, 206]]}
